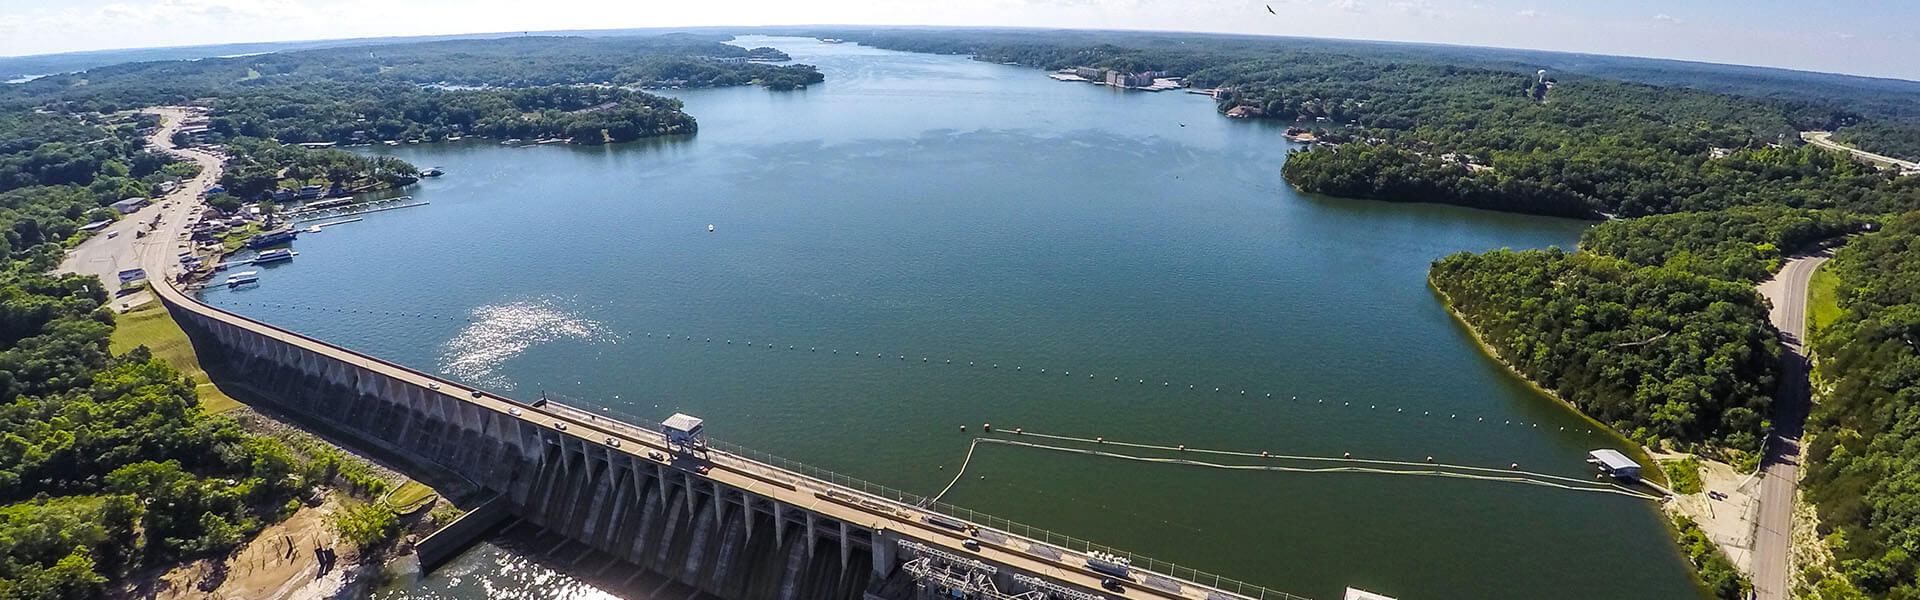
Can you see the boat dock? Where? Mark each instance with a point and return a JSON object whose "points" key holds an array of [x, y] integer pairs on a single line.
{"points": [[238, 263], [315, 228], [357, 209]]}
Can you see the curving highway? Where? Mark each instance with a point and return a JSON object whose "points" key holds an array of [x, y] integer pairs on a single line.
{"points": [[1780, 470], [1822, 139], [120, 246]]}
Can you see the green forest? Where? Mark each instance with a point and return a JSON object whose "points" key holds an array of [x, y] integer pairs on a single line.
{"points": [[1655, 352], [104, 156], [1863, 462], [108, 466], [1738, 244], [1894, 141], [346, 113], [258, 167], [1403, 87], [512, 62], [572, 88]]}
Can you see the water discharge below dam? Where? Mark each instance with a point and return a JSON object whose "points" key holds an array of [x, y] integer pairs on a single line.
{"points": [[934, 206]]}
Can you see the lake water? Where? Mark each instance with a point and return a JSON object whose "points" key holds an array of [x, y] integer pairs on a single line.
{"points": [[932, 207]]}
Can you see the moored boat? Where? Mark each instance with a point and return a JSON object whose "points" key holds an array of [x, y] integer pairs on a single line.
{"points": [[270, 238]]}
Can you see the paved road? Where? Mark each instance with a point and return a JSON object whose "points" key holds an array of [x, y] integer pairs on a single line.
{"points": [[1820, 138], [1772, 541], [119, 246]]}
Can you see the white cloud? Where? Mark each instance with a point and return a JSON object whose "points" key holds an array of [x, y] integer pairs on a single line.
{"points": [[1667, 18], [1528, 13], [1844, 36], [1415, 8], [1352, 6]]}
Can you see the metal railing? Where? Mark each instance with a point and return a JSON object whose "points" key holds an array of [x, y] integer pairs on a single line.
{"points": [[628, 423]]}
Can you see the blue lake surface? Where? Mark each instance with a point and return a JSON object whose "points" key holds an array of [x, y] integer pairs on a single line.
{"points": [[921, 209]]}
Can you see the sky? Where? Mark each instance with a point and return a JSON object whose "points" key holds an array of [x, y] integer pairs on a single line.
{"points": [[1861, 37]]}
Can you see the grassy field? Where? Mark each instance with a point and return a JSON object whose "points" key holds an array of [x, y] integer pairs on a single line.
{"points": [[1823, 299], [1683, 475], [235, 238], [409, 497], [152, 327]]}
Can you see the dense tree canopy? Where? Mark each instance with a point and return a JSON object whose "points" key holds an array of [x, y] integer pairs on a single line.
{"points": [[573, 88], [107, 463], [1739, 244], [1863, 466], [105, 155], [512, 62], [349, 113], [1483, 128], [1605, 177], [1884, 138], [257, 167], [1652, 351], [1400, 86]]}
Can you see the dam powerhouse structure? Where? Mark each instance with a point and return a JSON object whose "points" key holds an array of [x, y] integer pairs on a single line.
{"points": [[731, 523]]}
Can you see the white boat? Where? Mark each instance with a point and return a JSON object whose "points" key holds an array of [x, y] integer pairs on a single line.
{"points": [[243, 278], [709, 227]]}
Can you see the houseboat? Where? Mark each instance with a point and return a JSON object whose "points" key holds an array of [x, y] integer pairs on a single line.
{"points": [[277, 236], [243, 278], [274, 255]]}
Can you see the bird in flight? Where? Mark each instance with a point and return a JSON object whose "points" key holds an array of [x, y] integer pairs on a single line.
{"points": [[1270, 10]]}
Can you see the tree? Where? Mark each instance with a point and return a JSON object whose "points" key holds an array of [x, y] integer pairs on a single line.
{"points": [[224, 202], [366, 526]]}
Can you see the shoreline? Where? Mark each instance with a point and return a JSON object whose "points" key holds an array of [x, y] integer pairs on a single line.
{"points": [[1669, 511], [1634, 449]]}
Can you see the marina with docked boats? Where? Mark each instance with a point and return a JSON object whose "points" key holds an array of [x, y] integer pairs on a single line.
{"points": [[219, 241]]}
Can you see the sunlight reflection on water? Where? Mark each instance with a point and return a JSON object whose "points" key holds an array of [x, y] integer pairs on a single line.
{"points": [[501, 332], [491, 572]]}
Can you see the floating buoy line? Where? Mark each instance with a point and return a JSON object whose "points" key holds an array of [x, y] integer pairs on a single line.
{"points": [[1020, 370], [1344, 464]]}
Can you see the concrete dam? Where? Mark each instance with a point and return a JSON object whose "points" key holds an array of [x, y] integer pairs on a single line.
{"points": [[727, 522]]}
